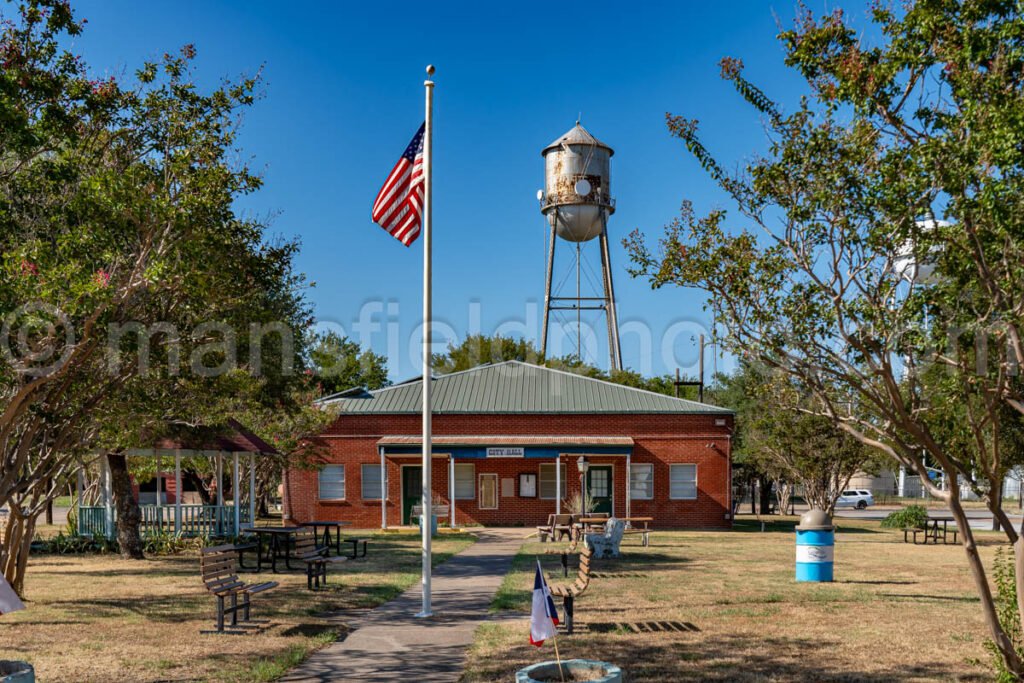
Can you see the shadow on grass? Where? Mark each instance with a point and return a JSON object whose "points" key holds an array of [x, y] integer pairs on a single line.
{"points": [[674, 655]]}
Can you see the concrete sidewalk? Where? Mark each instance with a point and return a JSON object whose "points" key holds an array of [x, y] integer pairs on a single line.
{"points": [[388, 643]]}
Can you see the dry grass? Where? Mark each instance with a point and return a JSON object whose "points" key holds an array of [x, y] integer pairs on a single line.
{"points": [[99, 618], [723, 606]]}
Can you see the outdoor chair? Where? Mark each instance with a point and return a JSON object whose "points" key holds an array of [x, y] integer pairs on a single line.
{"points": [[607, 544], [220, 576], [557, 528]]}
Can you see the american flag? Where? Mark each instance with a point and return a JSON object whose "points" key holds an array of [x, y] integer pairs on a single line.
{"points": [[399, 204]]}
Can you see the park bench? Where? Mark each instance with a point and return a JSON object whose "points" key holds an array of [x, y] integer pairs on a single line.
{"points": [[570, 591], [315, 558], [557, 528], [564, 554], [218, 568]]}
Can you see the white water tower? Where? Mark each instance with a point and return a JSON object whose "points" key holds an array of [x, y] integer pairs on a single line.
{"points": [[577, 202]]}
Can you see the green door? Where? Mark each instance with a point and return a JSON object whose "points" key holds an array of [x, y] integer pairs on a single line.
{"points": [[599, 483], [412, 490]]}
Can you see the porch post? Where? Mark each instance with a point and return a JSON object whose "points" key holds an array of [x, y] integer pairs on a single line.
{"points": [[79, 486], [177, 492], [108, 505], [629, 482], [159, 508], [218, 468], [234, 494], [252, 489], [383, 490], [451, 491], [558, 483]]}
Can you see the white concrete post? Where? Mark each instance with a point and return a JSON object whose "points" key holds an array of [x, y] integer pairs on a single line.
{"points": [[629, 484], [558, 484], [451, 491], [234, 494], [383, 491], [177, 493]]}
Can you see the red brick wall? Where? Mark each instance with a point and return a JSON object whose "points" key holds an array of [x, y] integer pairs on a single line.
{"points": [[659, 439]]}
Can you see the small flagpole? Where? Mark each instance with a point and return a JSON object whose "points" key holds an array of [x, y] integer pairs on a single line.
{"points": [[427, 501], [558, 657]]}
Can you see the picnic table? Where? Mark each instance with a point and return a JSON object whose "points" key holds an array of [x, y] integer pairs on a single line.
{"points": [[323, 539], [278, 545], [933, 531], [633, 528]]}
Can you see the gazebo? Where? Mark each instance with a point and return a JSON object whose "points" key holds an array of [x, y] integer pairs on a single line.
{"points": [[234, 441]]}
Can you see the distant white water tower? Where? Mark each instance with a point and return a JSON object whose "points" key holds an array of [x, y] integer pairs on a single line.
{"points": [[577, 201]]}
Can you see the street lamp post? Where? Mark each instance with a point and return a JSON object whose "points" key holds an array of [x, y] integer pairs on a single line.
{"points": [[582, 464]]}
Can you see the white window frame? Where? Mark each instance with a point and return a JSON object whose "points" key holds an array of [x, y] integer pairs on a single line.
{"points": [[632, 492], [362, 481], [540, 480], [472, 480], [319, 482], [696, 488], [497, 491]]}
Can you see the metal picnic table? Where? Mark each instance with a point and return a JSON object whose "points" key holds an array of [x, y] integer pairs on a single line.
{"points": [[279, 544], [932, 531], [327, 525]]}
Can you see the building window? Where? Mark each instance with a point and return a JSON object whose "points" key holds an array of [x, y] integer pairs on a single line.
{"points": [[641, 481], [465, 481], [488, 491], [683, 482], [371, 482], [332, 482], [547, 481]]}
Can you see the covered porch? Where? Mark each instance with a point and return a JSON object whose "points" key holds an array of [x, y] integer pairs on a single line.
{"points": [[233, 446], [505, 479]]}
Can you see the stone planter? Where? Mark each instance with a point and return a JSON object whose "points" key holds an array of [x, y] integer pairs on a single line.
{"points": [[575, 670], [12, 671]]}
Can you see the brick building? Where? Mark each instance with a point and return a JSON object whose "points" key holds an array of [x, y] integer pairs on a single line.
{"points": [[498, 433]]}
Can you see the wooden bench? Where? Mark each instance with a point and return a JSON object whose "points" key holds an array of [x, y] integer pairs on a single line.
{"points": [[570, 591], [315, 558], [356, 543], [557, 528], [220, 576], [644, 531], [565, 552]]}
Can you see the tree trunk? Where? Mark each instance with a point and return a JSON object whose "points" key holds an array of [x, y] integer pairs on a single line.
{"points": [[190, 477], [766, 495], [996, 503], [129, 515], [1001, 641], [49, 504], [17, 545]]}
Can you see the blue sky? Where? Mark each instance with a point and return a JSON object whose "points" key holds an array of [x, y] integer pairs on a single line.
{"points": [[343, 95]]}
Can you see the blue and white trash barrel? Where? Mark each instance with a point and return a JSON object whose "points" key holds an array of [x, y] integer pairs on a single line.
{"points": [[815, 546]]}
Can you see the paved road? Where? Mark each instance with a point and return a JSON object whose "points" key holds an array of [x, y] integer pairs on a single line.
{"points": [[390, 644]]}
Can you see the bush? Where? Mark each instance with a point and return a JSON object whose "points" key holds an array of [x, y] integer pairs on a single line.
{"points": [[1006, 610], [912, 516], [73, 544]]}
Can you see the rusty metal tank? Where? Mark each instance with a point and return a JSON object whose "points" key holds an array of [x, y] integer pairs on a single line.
{"points": [[577, 185]]}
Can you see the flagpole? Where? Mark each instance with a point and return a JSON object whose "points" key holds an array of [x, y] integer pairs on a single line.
{"points": [[427, 501]]}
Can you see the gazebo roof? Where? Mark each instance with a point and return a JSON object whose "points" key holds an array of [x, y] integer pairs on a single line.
{"points": [[234, 437]]}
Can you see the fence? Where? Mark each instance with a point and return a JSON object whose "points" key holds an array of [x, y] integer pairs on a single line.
{"points": [[196, 520]]}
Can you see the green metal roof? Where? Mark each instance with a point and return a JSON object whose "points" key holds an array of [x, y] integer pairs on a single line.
{"points": [[516, 387]]}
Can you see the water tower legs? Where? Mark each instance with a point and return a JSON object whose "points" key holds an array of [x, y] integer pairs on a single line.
{"points": [[579, 303]]}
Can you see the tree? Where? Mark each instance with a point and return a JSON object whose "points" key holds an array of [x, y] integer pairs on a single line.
{"points": [[135, 300], [906, 149], [338, 364], [479, 349]]}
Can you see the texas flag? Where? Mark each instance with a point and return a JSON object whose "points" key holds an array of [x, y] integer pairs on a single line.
{"points": [[543, 616], [9, 601]]}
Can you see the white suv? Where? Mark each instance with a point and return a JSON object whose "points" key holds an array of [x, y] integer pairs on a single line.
{"points": [[855, 498]]}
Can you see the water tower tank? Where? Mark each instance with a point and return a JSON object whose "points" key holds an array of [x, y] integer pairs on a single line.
{"points": [[577, 185]]}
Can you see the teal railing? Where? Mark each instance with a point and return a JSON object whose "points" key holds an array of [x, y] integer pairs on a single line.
{"points": [[196, 520]]}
